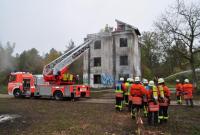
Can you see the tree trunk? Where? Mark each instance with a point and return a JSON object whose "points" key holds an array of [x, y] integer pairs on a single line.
{"points": [[194, 78]]}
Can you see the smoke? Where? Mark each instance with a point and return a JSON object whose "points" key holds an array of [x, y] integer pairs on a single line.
{"points": [[6, 58]]}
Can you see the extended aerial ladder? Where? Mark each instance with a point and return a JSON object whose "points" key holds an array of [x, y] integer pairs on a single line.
{"points": [[53, 71]]}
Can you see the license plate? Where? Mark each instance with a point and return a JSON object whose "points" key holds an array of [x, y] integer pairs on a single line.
{"points": [[83, 89]]}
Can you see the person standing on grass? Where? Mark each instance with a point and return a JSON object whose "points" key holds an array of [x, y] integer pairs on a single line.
{"points": [[119, 94], [144, 99], [137, 91], [129, 95], [164, 100], [153, 103], [126, 91], [179, 91], [188, 92]]}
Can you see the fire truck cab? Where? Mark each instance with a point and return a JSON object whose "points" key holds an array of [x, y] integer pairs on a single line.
{"points": [[27, 85], [20, 83]]}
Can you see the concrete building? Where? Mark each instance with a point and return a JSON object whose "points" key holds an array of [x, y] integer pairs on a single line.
{"points": [[114, 53]]}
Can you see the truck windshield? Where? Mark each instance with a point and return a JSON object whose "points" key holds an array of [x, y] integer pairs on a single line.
{"points": [[12, 78]]}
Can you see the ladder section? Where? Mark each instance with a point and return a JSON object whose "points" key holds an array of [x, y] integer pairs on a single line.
{"points": [[71, 57], [66, 59]]}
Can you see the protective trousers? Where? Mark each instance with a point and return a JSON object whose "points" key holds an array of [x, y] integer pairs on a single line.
{"points": [[153, 117], [135, 108], [126, 98], [191, 102], [145, 106], [163, 114], [179, 100], [119, 101]]}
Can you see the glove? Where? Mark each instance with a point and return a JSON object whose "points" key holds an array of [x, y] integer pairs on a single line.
{"points": [[155, 102], [168, 100]]}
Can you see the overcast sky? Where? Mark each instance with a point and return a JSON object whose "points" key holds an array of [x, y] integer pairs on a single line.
{"points": [[46, 24]]}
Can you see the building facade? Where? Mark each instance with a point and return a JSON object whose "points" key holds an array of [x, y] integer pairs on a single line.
{"points": [[112, 54]]}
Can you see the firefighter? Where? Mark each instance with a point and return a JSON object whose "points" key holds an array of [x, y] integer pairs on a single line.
{"points": [[146, 84], [179, 90], [145, 102], [131, 81], [64, 77], [137, 91], [153, 103], [119, 94], [126, 91], [164, 100], [188, 92]]}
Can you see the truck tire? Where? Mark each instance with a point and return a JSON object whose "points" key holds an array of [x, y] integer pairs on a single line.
{"points": [[58, 95], [83, 94], [17, 93]]}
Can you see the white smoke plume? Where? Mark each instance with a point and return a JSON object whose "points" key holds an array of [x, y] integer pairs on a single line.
{"points": [[6, 59]]}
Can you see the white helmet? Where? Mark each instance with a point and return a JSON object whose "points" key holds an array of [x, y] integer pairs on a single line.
{"points": [[131, 80], [121, 79], [151, 83], [137, 79], [128, 80], [186, 80], [161, 80], [177, 80], [145, 81]]}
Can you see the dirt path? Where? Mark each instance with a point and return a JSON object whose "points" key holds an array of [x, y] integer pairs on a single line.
{"points": [[112, 101], [109, 98], [5, 96]]}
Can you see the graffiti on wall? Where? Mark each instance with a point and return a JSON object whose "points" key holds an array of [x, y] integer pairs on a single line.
{"points": [[107, 79], [85, 79]]}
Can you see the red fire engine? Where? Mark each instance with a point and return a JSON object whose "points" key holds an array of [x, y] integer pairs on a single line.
{"points": [[54, 81]]}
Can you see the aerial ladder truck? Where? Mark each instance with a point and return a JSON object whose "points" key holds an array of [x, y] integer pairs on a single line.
{"points": [[53, 82]]}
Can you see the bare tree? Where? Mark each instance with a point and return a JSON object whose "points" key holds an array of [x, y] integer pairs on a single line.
{"points": [[180, 26], [70, 45]]}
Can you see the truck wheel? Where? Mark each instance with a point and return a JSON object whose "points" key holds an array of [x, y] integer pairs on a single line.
{"points": [[83, 94], [58, 95], [17, 93]]}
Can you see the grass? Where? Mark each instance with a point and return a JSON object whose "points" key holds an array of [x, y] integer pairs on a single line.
{"points": [[44, 116], [97, 94], [3, 89], [51, 117]]}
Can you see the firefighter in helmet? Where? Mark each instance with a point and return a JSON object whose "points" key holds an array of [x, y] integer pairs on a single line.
{"points": [[179, 91], [164, 100], [188, 92], [145, 103], [126, 91], [119, 94], [131, 81], [137, 91], [153, 103]]}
